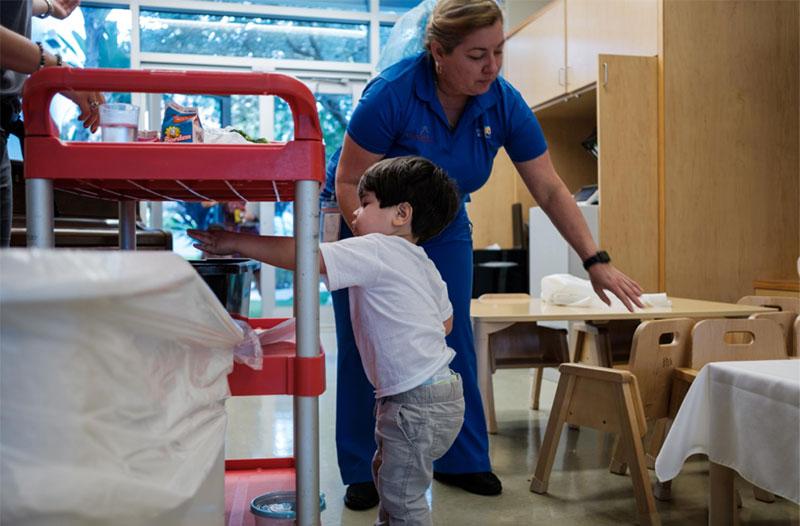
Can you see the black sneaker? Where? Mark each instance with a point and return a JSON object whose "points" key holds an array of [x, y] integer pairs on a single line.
{"points": [[361, 496], [485, 483]]}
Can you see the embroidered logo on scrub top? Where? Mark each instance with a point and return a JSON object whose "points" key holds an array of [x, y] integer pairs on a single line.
{"points": [[423, 135], [487, 132]]}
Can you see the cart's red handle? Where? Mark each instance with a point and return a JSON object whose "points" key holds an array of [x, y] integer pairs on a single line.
{"points": [[44, 84]]}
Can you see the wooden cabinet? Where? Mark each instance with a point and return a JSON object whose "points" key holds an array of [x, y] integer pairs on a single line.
{"points": [[616, 27], [535, 55], [556, 51]]}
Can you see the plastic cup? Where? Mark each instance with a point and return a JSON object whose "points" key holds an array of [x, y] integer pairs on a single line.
{"points": [[119, 122]]}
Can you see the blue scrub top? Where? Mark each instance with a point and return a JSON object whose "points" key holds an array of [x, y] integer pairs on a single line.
{"points": [[400, 114]]}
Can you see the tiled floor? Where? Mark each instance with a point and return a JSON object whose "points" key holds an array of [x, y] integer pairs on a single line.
{"points": [[581, 490]]}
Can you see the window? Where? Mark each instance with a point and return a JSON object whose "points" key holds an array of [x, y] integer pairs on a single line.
{"points": [[240, 36], [92, 37], [397, 6], [346, 5]]}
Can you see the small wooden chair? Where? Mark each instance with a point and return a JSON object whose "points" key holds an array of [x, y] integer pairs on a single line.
{"points": [[786, 320], [659, 346], [712, 342], [724, 340], [777, 302], [604, 399], [524, 345]]}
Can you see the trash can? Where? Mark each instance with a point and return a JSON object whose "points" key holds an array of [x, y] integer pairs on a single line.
{"points": [[230, 279]]}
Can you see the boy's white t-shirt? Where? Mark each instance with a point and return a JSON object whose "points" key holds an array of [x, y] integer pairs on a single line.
{"points": [[398, 305]]}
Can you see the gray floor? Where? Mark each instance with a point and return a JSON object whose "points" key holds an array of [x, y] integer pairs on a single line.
{"points": [[581, 490]]}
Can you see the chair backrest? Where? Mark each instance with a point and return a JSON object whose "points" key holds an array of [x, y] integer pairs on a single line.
{"points": [[780, 302], [797, 336], [709, 343], [786, 320], [527, 344], [658, 347]]}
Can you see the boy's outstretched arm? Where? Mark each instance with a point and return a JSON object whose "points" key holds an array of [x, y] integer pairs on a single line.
{"points": [[272, 250]]}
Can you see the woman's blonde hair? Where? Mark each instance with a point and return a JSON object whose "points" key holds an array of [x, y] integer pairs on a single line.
{"points": [[452, 20]]}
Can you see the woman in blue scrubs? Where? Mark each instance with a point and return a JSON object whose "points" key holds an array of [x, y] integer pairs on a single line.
{"points": [[448, 104]]}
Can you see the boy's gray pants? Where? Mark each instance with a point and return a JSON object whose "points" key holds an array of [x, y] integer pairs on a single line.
{"points": [[412, 429]]}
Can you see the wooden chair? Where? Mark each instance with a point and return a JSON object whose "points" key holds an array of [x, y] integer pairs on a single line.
{"points": [[659, 346], [711, 341], [722, 340], [778, 302], [786, 321], [525, 345], [604, 399]]}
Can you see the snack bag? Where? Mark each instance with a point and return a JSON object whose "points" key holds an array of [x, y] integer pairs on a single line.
{"points": [[181, 124]]}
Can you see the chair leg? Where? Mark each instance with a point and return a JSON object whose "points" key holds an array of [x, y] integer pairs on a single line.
{"points": [[536, 388], [618, 464], [547, 453], [663, 491], [763, 495], [655, 441], [632, 442]]}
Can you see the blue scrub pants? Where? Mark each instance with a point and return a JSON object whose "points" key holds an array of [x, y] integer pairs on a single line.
{"points": [[451, 251]]}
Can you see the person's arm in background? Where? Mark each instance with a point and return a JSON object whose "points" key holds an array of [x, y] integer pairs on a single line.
{"points": [[17, 53], [353, 162], [61, 9], [277, 251], [555, 199]]}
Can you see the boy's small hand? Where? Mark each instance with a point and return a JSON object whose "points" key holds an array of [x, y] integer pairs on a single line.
{"points": [[218, 242]]}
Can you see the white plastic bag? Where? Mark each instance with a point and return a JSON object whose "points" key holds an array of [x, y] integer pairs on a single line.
{"points": [[407, 37], [113, 383], [571, 291]]}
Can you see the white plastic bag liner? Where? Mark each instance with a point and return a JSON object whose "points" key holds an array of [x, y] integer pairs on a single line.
{"points": [[113, 383], [571, 291]]}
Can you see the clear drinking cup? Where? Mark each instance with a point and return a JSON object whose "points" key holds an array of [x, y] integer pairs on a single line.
{"points": [[119, 122]]}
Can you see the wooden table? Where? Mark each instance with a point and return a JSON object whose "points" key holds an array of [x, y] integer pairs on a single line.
{"points": [[746, 417], [495, 315]]}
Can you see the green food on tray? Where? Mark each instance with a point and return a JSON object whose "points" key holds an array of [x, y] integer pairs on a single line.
{"points": [[260, 140]]}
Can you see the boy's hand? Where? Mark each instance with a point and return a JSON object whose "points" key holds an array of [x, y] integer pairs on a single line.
{"points": [[218, 242]]}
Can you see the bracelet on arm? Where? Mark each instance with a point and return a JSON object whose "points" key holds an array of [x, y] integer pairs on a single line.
{"points": [[49, 9], [59, 60], [41, 55]]}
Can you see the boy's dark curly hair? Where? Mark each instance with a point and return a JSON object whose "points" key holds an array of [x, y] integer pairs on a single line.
{"points": [[432, 194]]}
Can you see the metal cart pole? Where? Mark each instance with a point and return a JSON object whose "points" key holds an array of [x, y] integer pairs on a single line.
{"points": [[39, 212], [306, 408], [127, 225]]}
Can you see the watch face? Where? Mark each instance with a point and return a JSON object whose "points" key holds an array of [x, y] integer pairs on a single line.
{"points": [[602, 257]]}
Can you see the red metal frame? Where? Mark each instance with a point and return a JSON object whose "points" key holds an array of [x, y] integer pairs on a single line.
{"points": [[166, 172], [282, 373]]}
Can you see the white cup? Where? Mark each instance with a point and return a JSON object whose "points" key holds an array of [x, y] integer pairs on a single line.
{"points": [[119, 122]]}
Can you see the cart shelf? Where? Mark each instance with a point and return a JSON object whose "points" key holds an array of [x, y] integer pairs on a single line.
{"points": [[282, 372], [170, 171]]}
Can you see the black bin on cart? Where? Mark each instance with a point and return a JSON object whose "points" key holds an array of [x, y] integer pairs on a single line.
{"points": [[230, 279]]}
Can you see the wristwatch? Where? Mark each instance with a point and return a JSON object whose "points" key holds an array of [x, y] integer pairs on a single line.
{"points": [[600, 257]]}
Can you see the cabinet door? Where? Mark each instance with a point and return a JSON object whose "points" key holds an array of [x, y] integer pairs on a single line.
{"points": [[619, 27], [535, 56], [627, 118]]}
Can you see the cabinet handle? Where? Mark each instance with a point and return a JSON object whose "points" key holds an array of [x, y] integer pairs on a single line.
{"points": [[562, 82], [605, 73]]}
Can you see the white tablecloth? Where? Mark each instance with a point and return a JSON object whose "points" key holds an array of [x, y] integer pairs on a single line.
{"points": [[743, 415]]}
